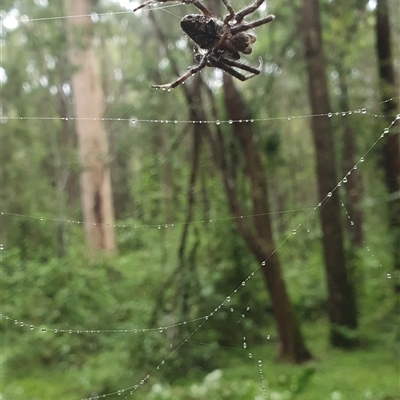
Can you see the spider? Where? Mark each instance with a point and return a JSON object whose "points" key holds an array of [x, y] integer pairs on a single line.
{"points": [[218, 43]]}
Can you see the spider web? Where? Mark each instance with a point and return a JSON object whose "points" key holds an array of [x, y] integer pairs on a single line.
{"points": [[130, 390]]}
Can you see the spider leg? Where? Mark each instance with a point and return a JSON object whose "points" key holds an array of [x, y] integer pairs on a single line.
{"points": [[245, 67], [248, 10], [147, 3], [196, 3], [226, 65], [200, 6], [250, 25], [193, 70], [231, 14]]}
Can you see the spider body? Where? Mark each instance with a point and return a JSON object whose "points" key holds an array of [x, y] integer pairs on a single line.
{"points": [[218, 43], [211, 33], [204, 31]]}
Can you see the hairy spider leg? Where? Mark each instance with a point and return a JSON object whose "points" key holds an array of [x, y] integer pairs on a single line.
{"points": [[231, 14], [241, 65], [248, 10], [196, 3], [226, 64], [221, 65], [193, 70], [250, 25]]}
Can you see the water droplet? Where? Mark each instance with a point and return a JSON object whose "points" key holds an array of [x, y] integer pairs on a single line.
{"points": [[250, 355], [228, 298], [175, 122], [31, 327], [398, 116], [231, 309], [289, 118], [344, 180], [244, 345], [218, 122], [160, 329], [70, 331], [329, 194], [294, 231], [364, 110], [319, 204], [44, 330], [230, 122], [263, 263], [247, 308], [389, 276], [330, 115], [268, 337], [362, 159], [260, 363], [386, 130], [355, 167], [243, 283], [55, 330], [343, 114]]}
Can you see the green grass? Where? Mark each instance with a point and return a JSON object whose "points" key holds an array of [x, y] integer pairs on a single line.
{"points": [[370, 373]]}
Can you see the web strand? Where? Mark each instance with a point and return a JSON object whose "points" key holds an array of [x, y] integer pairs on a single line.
{"points": [[130, 391]]}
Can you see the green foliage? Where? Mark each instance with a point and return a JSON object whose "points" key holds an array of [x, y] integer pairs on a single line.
{"points": [[48, 282]]}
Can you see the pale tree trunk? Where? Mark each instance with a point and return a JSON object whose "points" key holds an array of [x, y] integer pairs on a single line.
{"points": [[391, 144], [96, 192], [341, 301]]}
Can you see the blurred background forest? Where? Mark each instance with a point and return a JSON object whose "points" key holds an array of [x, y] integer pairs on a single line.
{"points": [[221, 240]]}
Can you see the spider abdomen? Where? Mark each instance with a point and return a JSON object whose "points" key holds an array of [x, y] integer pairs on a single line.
{"points": [[203, 30]]}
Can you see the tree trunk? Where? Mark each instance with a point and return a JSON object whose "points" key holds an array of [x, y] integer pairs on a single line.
{"points": [[391, 145], [292, 344], [353, 190], [353, 186], [341, 302], [96, 193]]}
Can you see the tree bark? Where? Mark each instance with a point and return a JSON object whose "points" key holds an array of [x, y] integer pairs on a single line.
{"points": [[341, 302], [95, 180], [353, 190], [391, 145], [292, 344]]}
